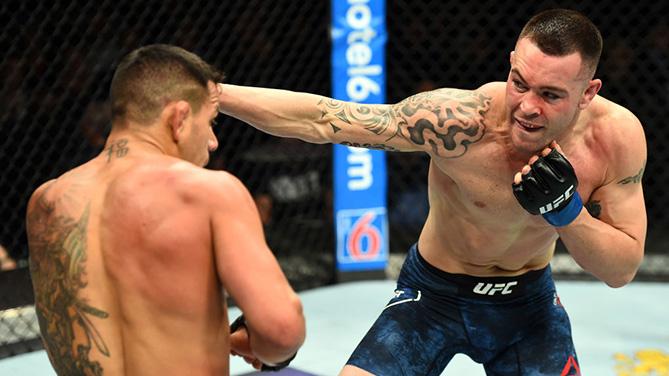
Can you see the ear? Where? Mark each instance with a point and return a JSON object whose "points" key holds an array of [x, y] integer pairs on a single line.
{"points": [[590, 92], [176, 119], [511, 57]]}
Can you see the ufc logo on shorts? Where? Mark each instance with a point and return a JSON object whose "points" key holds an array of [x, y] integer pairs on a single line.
{"points": [[552, 205], [493, 288]]}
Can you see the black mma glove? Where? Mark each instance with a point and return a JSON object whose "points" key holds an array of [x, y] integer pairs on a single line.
{"points": [[241, 321], [549, 189]]}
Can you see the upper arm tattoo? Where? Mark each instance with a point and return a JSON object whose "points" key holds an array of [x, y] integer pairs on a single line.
{"points": [[635, 178], [57, 266], [448, 120], [445, 121]]}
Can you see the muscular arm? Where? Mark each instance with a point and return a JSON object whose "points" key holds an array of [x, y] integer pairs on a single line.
{"points": [[608, 238], [251, 274], [441, 122]]}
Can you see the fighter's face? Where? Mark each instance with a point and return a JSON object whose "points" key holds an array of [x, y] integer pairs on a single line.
{"points": [[544, 95], [202, 140]]}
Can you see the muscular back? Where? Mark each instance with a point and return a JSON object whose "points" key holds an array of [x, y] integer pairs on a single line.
{"points": [[123, 269]]}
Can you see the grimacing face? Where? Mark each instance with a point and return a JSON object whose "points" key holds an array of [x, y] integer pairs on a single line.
{"points": [[544, 95]]}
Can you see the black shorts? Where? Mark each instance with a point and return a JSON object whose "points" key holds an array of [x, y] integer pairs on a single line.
{"points": [[511, 325]]}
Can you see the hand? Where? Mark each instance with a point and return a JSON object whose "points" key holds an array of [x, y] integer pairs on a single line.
{"points": [[240, 346], [547, 186]]}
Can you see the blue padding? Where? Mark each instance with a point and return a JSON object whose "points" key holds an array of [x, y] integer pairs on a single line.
{"points": [[567, 214]]}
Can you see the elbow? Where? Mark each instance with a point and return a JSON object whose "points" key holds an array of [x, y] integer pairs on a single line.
{"points": [[283, 335], [624, 277], [291, 331], [317, 133], [620, 281]]}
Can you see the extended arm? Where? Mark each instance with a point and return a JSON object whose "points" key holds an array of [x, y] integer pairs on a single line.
{"points": [[441, 122]]}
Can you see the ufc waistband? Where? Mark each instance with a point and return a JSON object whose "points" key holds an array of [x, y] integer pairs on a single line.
{"points": [[488, 288]]}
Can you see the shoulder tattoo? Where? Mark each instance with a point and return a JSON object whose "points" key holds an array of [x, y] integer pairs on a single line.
{"points": [[447, 120]]}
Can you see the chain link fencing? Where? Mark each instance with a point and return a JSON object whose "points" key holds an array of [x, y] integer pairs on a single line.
{"points": [[58, 58]]}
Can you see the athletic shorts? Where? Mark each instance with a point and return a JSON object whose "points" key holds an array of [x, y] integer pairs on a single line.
{"points": [[511, 325]]}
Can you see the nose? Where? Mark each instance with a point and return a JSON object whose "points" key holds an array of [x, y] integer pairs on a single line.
{"points": [[530, 105]]}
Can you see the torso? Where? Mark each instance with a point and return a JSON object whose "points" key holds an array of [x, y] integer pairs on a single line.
{"points": [[124, 267], [475, 225]]}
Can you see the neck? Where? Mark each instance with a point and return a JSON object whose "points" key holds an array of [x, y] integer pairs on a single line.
{"points": [[143, 141]]}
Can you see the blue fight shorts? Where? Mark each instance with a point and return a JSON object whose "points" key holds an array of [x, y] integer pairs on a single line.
{"points": [[511, 325]]}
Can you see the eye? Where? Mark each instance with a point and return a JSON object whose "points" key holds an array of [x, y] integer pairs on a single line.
{"points": [[551, 96], [519, 85]]}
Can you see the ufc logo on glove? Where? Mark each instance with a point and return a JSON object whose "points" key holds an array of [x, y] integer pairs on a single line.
{"points": [[563, 197], [549, 189]]}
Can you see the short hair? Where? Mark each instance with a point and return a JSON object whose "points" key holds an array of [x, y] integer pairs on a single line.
{"points": [[560, 32], [150, 77]]}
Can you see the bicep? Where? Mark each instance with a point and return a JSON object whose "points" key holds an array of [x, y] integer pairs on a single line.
{"points": [[620, 203], [441, 122]]}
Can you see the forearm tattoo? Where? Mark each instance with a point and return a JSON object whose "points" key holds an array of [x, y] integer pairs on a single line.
{"points": [[374, 119], [636, 178], [370, 146], [444, 121], [57, 262], [594, 208]]}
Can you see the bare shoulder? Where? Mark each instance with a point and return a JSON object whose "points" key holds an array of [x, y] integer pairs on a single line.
{"points": [[620, 135], [62, 193], [224, 187], [44, 187], [37, 199], [493, 89], [208, 187], [219, 195], [617, 126]]}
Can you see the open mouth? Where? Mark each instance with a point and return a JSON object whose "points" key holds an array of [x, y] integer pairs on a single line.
{"points": [[529, 127]]}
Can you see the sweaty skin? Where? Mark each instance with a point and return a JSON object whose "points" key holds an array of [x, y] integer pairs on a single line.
{"points": [[478, 140], [132, 255]]}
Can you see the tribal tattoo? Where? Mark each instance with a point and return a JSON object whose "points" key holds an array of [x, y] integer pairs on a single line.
{"points": [[449, 120], [370, 146], [634, 179], [57, 264], [444, 121], [376, 120]]}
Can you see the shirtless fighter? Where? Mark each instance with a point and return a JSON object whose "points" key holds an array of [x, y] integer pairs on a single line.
{"points": [[512, 165], [132, 253]]}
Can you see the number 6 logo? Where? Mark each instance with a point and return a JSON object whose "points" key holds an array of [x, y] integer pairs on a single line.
{"points": [[364, 229]]}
